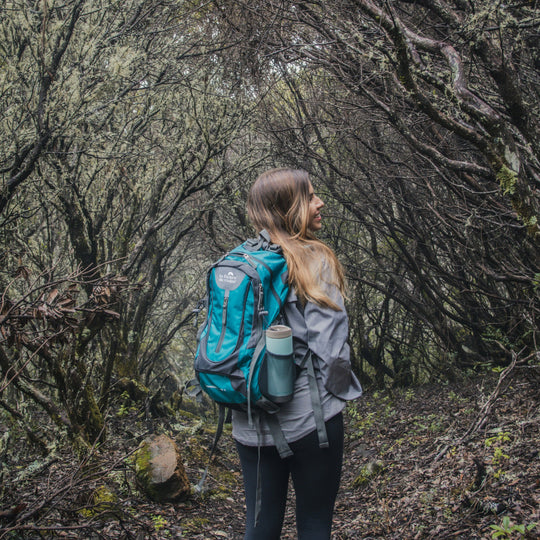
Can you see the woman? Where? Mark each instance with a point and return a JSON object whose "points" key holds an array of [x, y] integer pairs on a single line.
{"points": [[283, 202]]}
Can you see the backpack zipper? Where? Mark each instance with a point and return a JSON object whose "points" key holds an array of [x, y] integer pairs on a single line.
{"points": [[223, 321], [241, 332], [253, 261]]}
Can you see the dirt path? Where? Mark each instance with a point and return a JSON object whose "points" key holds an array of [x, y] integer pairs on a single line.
{"points": [[407, 475]]}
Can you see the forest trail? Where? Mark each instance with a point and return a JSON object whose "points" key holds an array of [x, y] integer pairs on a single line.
{"points": [[407, 474]]}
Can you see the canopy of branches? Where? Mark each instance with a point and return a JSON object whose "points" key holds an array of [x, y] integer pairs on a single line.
{"points": [[130, 132]]}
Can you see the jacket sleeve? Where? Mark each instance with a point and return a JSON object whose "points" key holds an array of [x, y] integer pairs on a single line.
{"points": [[328, 332]]}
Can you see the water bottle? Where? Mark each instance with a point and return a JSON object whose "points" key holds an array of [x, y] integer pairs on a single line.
{"points": [[280, 368]]}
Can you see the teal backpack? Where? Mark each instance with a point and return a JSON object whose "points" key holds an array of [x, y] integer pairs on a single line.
{"points": [[246, 290]]}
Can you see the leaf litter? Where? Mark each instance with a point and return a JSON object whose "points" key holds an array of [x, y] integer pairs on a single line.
{"points": [[408, 473]]}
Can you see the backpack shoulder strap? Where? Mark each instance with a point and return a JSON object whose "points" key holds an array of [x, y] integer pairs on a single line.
{"points": [[316, 401], [263, 242], [217, 436], [280, 442]]}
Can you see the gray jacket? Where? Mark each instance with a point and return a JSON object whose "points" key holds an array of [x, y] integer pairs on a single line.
{"points": [[325, 332]]}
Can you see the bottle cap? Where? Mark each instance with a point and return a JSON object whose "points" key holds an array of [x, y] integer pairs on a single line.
{"points": [[278, 331]]}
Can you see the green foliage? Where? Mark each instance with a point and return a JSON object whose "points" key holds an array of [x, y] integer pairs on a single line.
{"points": [[509, 530], [361, 422], [497, 335], [507, 180], [431, 422], [123, 410], [409, 394], [103, 500], [501, 437], [456, 398], [499, 456], [127, 406], [195, 524], [159, 523]]}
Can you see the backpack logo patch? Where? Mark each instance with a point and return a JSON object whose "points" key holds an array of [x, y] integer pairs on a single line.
{"points": [[228, 279]]}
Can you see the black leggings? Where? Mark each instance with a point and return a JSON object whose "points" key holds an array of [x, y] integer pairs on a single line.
{"points": [[315, 473]]}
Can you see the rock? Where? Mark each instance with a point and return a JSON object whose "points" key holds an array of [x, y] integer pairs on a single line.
{"points": [[103, 503], [136, 390], [367, 472], [160, 471]]}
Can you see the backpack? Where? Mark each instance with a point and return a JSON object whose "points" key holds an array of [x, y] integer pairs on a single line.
{"points": [[246, 290], [245, 293]]}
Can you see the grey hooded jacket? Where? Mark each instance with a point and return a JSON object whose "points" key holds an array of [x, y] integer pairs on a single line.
{"points": [[325, 332]]}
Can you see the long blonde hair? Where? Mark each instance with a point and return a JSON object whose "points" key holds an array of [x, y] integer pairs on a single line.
{"points": [[279, 202]]}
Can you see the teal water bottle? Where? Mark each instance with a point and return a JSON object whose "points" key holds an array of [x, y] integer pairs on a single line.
{"points": [[280, 363]]}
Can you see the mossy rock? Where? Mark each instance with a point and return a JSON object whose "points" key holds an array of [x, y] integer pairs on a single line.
{"points": [[368, 472], [186, 414], [188, 404], [160, 471], [103, 503], [136, 390]]}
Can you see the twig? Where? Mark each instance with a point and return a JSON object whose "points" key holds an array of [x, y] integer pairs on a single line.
{"points": [[65, 486], [6, 382], [486, 408]]}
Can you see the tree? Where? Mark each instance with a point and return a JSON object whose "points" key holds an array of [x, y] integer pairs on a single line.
{"points": [[420, 119], [116, 127]]}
